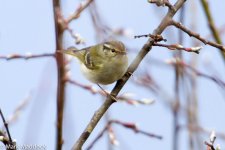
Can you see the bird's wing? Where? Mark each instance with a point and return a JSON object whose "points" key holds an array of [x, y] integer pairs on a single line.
{"points": [[90, 61]]}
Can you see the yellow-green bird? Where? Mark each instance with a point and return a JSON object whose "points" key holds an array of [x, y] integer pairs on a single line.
{"points": [[103, 63]]}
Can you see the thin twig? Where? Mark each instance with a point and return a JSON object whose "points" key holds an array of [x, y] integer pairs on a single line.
{"points": [[6, 125], [162, 3], [156, 38], [86, 87], [128, 125], [179, 47], [218, 81], [9, 143], [26, 56], [65, 26], [125, 97], [200, 129], [119, 85], [98, 137], [15, 115], [209, 145], [197, 36], [79, 10]]}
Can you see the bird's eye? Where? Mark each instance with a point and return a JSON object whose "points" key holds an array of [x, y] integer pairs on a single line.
{"points": [[113, 50]]}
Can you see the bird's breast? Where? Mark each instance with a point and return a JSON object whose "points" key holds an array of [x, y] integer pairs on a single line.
{"points": [[108, 73]]}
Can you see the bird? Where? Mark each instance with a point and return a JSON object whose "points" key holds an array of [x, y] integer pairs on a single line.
{"points": [[102, 63]]}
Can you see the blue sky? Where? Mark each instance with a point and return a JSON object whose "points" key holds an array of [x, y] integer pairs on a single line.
{"points": [[27, 26]]}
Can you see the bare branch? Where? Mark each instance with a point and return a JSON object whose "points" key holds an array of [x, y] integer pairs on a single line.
{"points": [[86, 87], [157, 38], [197, 72], [15, 115], [65, 26], [162, 3], [179, 47], [197, 36], [10, 145], [61, 71], [125, 97], [79, 10], [6, 125], [128, 125], [209, 146], [26, 56], [98, 137]]}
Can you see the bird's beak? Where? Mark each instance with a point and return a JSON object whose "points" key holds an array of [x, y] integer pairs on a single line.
{"points": [[123, 53], [70, 52]]}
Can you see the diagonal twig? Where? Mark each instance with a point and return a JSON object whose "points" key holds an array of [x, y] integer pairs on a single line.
{"points": [[6, 125], [10, 145], [79, 10]]}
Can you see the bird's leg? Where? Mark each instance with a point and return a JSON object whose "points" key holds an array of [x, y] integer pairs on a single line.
{"points": [[129, 73], [107, 93]]}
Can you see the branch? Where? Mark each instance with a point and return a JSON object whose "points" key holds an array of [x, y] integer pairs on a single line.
{"points": [[79, 10], [5, 140], [125, 97], [98, 137], [157, 38], [61, 71], [65, 26], [218, 81], [179, 47], [162, 3], [10, 145], [16, 113], [86, 87], [200, 129], [197, 36], [119, 85], [6, 125], [210, 144], [128, 125], [26, 56]]}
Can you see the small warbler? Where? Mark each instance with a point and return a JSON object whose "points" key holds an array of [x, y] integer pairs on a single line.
{"points": [[103, 63]]}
